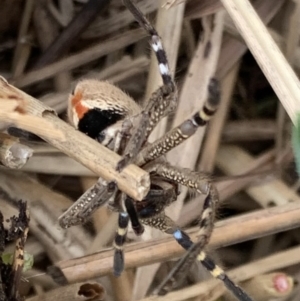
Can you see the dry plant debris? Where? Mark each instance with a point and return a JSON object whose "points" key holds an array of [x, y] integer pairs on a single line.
{"points": [[11, 272], [246, 147]]}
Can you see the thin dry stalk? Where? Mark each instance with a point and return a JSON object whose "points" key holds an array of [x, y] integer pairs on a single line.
{"points": [[274, 193], [117, 22], [12, 113], [132, 180], [292, 40], [205, 289], [56, 164], [249, 130], [233, 48], [38, 277], [79, 59], [23, 48], [266, 10], [253, 225], [272, 62], [47, 31], [78, 291], [198, 9]]}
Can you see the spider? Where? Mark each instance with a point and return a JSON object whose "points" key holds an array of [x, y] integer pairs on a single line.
{"points": [[105, 113]]}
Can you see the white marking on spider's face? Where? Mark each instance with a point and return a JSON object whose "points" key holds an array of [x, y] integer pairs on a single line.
{"points": [[75, 118], [109, 133], [163, 69], [157, 45]]}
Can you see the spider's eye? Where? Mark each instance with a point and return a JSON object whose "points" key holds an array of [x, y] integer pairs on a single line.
{"points": [[73, 91]]}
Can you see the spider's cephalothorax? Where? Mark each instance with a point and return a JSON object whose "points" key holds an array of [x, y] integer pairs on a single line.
{"points": [[104, 112]]}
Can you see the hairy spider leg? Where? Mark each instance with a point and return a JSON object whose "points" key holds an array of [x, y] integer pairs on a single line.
{"points": [[119, 243], [156, 44], [184, 263], [185, 130], [95, 197], [200, 183], [178, 273], [161, 102]]}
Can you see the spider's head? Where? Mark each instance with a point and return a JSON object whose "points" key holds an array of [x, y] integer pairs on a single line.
{"points": [[96, 105]]}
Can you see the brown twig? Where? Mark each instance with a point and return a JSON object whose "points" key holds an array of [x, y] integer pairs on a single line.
{"points": [[132, 180], [78, 291], [272, 62], [71, 32], [212, 289], [253, 225], [81, 58]]}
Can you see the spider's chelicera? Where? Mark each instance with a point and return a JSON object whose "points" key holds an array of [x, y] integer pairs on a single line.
{"points": [[105, 113]]}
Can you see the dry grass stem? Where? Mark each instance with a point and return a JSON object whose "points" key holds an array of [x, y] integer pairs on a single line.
{"points": [[79, 59], [56, 164], [265, 265], [232, 47], [275, 67], [132, 180], [253, 225], [275, 192], [22, 50], [249, 130], [84, 291]]}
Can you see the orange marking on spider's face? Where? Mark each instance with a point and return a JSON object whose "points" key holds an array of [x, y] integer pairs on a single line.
{"points": [[77, 97], [76, 103]]}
